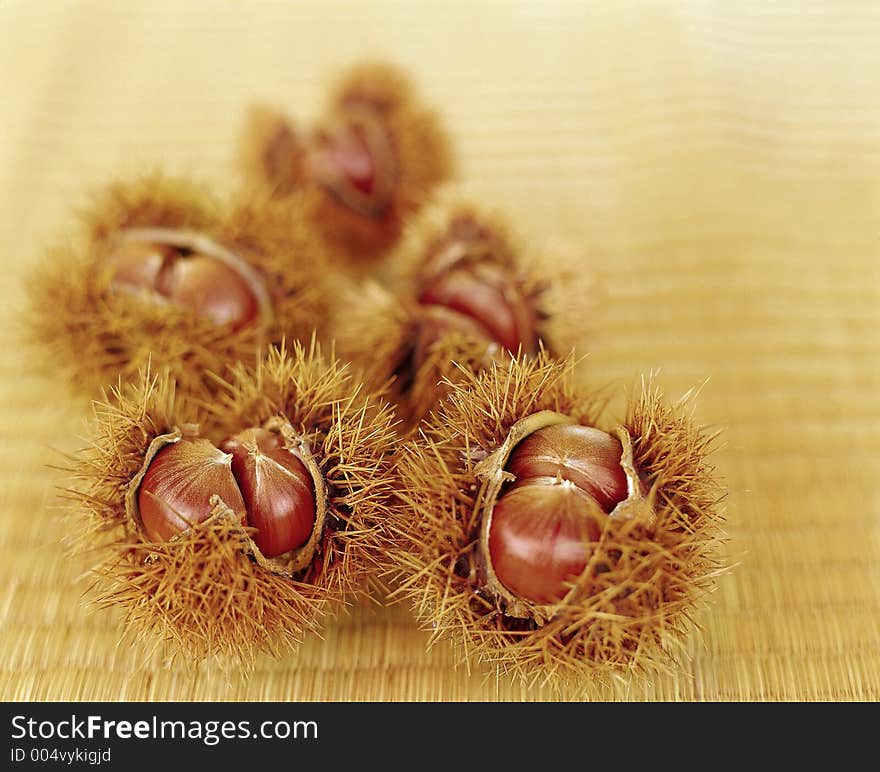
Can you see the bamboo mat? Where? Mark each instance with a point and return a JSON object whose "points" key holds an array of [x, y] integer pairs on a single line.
{"points": [[718, 162]]}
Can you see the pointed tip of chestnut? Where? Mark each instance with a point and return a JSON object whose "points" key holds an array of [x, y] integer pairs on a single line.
{"points": [[277, 488]]}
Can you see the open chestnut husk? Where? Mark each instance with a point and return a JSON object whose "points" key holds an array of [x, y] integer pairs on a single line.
{"points": [[161, 272], [237, 527], [371, 162], [547, 543], [469, 292]]}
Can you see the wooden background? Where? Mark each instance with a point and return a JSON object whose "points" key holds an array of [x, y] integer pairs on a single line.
{"points": [[718, 162]]}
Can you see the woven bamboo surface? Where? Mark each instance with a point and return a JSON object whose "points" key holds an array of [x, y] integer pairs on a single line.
{"points": [[718, 162]]}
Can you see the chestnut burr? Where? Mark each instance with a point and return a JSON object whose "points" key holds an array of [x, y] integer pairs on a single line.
{"points": [[542, 538]]}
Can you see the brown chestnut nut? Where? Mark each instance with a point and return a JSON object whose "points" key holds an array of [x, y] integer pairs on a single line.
{"points": [[588, 457], [136, 265], [277, 488], [352, 157], [567, 478], [539, 538], [487, 294], [187, 280], [176, 490], [346, 154]]}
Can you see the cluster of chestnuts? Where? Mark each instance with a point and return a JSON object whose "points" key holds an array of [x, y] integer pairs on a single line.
{"points": [[340, 381]]}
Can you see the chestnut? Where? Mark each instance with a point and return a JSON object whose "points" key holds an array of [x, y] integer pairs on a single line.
{"points": [[236, 525], [352, 158], [221, 291], [544, 540], [369, 164], [468, 297], [163, 274], [253, 473], [178, 484], [539, 538], [487, 294], [585, 455]]}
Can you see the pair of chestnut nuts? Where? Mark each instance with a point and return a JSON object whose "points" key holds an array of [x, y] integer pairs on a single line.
{"points": [[241, 498], [564, 479]]}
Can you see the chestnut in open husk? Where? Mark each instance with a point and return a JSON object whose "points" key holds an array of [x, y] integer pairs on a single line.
{"points": [[372, 161], [236, 527], [163, 273], [469, 292], [543, 540]]}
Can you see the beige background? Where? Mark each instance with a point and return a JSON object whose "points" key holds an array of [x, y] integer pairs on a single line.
{"points": [[719, 162]]}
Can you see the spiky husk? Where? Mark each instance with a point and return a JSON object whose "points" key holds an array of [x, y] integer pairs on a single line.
{"points": [[203, 591], [428, 232], [93, 335], [384, 85], [199, 592], [568, 292], [636, 600], [372, 329], [152, 198], [204, 597], [278, 240], [375, 328], [419, 142]]}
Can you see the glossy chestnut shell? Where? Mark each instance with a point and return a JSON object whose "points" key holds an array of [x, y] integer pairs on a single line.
{"points": [[567, 479]]}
